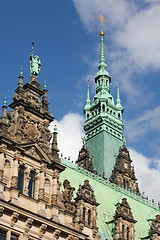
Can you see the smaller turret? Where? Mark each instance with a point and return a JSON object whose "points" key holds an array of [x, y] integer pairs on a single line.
{"points": [[44, 100], [55, 149], [88, 104], [118, 103], [3, 120]]}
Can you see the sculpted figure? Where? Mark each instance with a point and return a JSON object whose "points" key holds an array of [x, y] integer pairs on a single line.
{"points": [[35, 63]]}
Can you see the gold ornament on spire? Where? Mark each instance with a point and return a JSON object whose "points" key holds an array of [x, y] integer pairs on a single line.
{"points": [[102, 20]]}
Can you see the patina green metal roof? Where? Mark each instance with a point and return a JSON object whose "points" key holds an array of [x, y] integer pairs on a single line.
{"points": [[108, 195]]}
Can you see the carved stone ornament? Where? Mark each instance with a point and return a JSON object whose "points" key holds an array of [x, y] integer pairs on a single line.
{"points": [[84, 159], [56, 234], [28, 226], [67, 196], [68, 191], [14, 218], [32, 131], [71, 237], [86, 193], [42, 230], [155, 227], [1, 210], [123, 210]]}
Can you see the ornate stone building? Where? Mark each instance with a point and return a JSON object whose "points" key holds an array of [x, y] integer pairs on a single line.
{"points": [[43, 196]]}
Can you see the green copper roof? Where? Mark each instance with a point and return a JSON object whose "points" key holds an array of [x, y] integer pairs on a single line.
{"points": [[108, 195]]}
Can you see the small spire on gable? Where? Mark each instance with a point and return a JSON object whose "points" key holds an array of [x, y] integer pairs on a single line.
{"points": [[5, 101], [21, 72], [45, 85], [118, 101], [88, 102], [3, 119], [55, 149]]}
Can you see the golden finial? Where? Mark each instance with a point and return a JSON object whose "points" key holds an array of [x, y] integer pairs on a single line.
{"points": [[102, 20]]}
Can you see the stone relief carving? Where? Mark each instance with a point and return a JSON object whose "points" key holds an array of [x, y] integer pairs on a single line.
{"points": [[67, 196], [155, 228], [86, 192]]}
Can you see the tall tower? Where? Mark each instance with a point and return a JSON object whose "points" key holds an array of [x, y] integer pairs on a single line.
{"points": [[103, 125]]}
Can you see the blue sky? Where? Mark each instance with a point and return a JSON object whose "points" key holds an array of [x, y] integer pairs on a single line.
{"points": [[66, 37]]}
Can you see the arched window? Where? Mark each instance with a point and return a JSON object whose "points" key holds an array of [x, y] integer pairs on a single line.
{"points": [[89, 217], [31, 185], [20, 179], [103, 108]]}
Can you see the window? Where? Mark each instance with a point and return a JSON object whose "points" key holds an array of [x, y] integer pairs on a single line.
{"points": [[122, 231], [89, 217], [20, 179], [2, 234], [31, 185], [124, 183], [84, 215], [127, 233], [14, 237]]}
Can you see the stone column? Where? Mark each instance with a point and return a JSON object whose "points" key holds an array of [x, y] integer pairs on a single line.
{"points": [[94, 216], [8, 235], [26, 181], [41, 185], [2, 160], [14, 178], [125, 231], [37, 184], [55, 186]]}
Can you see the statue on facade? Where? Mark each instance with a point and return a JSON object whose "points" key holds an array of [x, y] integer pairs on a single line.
{"points": [[35, 63]]}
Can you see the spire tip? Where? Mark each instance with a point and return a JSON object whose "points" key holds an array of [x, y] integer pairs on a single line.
{"points": [[21, 72], [5, 101], [45, 85]]}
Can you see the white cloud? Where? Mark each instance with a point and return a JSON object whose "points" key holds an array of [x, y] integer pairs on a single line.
{"points": [[148, 178], [116, 12], [145, 123], [70, 131]]}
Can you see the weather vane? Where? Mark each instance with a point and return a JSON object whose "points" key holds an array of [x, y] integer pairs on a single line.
{"points": [[102, 20]]}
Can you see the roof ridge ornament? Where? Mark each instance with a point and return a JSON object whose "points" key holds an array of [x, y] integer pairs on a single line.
{"points": [[102, 20]]}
